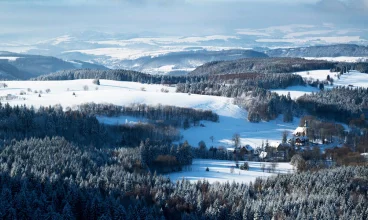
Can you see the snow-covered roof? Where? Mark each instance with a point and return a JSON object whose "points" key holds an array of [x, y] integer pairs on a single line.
{"points": [[275, 144], [299, 130], [263, 155]]}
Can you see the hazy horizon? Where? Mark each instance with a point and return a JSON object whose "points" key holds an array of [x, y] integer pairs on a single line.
{"points": [[41, 19]]}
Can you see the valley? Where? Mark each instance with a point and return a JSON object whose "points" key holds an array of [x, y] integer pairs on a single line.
{"points": [[192, 110]]}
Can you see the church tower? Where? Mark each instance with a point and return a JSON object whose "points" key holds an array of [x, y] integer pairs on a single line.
{"points": [[306, 128]]}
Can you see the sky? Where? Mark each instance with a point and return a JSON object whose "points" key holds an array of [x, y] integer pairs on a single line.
{"points": [[270, 19]]}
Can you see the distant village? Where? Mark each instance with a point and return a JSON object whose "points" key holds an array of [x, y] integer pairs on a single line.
{"points": [[313, 141]]}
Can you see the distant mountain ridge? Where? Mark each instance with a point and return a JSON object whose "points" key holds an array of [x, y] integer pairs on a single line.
{"points": [[14, 66], [183, 62], [350, 50]]}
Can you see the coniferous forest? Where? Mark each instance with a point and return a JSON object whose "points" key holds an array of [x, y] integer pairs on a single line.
{"points": [[57, 164], [53, 178]]}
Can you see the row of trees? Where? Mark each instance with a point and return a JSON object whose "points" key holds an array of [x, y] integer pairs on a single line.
{"points": [[169, 115], [82, 127], [235, 87], [262, 65], [165, 158], [118, 75]]}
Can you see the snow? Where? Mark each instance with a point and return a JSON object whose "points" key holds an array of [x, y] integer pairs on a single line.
{"points": [[299, 130], [120, 120], [219, 171], [119, 52], [57, 40], [340, 59], [9, 58], [296, 91], [275, 144], [316, 74], [250, 133], [313, 40], [355, 78], [165, 40], [166, 69], [232, 117]]}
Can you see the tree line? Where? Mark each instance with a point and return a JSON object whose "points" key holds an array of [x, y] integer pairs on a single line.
{"points": [[170, 115], [340, 103], [82, 127]]}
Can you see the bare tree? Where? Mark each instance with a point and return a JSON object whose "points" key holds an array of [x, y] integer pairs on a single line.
{"points": [[274, 165], [96, 81], [263, 167], [236, 139], [212, 138]]}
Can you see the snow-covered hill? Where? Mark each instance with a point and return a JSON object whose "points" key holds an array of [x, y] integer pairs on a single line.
{"points": [[352, 79], [232, 118]]}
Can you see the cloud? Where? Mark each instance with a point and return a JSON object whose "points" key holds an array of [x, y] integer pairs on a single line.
{"points": [[91, 2], [253, 18], [343, 5]]}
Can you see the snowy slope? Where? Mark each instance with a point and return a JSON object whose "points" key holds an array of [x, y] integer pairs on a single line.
{"points": [[250, 133], [340, 59], [354, 78], [232, 118], [219, 171], [296, 91]]}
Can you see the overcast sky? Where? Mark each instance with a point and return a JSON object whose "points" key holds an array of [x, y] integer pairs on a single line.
{"points": [[177, 17]]}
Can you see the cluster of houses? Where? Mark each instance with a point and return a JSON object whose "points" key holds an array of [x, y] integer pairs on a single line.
{"points": [[276, 150]]}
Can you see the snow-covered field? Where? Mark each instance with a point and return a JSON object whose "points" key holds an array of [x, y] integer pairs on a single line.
{"points": [[296, 91], [220, 171], [9, 58], [354, 78], [232, 118], [166, 70], [340, 59], [250, 133], [120, 120]]}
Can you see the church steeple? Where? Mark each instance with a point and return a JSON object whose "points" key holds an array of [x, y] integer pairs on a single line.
{"points": [[306, 128]]}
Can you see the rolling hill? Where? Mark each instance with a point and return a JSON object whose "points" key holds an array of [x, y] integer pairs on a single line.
{"points": [[261, 65], [347, 50], [14, 66], [183, 62]]}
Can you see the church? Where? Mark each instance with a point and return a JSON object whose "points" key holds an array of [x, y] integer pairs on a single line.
{"points": [[301, 135], [301, 131]]}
